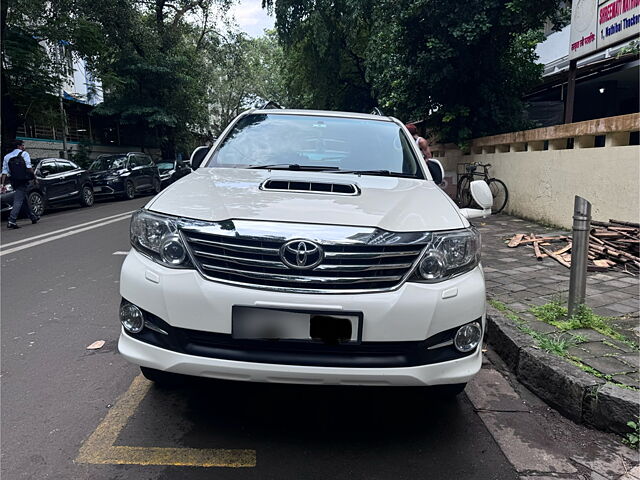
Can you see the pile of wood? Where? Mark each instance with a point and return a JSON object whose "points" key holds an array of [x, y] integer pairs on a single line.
{"points": [[612, 244]]}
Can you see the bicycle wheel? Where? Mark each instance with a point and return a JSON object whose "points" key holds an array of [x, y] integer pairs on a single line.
{"points": [[500, 194], [464, 192]]}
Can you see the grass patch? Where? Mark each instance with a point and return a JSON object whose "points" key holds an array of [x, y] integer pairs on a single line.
{"points": [[556, 314], [498, 305]]}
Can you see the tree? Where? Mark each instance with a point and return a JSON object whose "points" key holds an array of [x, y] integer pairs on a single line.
{"points": [[156, 78], [243, 72], [462, 66], [325, 43]]}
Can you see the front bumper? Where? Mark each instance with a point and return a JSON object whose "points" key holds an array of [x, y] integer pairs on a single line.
{"points": [[412, 313], [110, 188]]}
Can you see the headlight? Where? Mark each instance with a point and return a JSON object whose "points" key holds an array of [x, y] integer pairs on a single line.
{"points": [[157, 236], [8, 188], [448, 254]]}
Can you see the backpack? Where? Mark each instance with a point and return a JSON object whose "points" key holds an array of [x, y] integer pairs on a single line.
{"points": [[19, 175]]}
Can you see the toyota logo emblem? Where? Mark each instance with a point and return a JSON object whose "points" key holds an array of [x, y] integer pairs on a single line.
{"points": [[301, 254]]}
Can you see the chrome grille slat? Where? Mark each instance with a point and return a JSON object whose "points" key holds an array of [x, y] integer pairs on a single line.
{"points": [[244, 261], [254, 261], [374, 255], [363, 268], [302, 278], [230, 246]]}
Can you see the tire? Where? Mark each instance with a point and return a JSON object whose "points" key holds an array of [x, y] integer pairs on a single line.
{"points": [[86, 196], [157, 185], [162, 379], [500, 194], [36, 200], [464, 192], [129, 190]]}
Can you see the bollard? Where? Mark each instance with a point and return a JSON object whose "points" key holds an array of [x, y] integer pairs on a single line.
{"points": [[579, 253]]}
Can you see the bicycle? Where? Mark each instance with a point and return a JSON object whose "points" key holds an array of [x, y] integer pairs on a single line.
{"points": [[497, 187]]}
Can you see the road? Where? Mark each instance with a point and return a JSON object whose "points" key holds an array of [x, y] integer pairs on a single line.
{"points": [[60, 294]]}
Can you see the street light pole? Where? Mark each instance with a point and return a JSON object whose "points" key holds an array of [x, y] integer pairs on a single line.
{"points": [[63, 117]]}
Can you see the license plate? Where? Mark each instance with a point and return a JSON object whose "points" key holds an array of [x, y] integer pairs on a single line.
{"points": [[267, 324]]}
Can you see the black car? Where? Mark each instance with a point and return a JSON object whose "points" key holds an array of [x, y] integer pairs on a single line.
{"points": [[124, 175], [172, 170], [57, 181]]}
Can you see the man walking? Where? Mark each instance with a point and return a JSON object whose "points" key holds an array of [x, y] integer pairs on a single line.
{"points": [[17, 164]]}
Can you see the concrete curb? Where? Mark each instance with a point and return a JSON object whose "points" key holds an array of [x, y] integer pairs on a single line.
{"points": [[576, 394]]}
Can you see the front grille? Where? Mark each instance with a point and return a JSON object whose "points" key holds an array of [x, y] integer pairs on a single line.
{"points": [[257, 262]]}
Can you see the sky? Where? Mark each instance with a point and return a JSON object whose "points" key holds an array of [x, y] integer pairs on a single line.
{"points": [[251, 17]]}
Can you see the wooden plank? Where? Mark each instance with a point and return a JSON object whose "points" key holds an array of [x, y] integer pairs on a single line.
{"points": [[566, 248], [515, 241], [626, 224], [557, 258], [536, 247]]}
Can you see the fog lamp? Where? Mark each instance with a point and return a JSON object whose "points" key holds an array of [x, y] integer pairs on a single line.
{"points": [[171, 250], [131, 318], [468, 337]]}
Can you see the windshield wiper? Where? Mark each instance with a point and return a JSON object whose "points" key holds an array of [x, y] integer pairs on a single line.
{"points": [[382, 173], [294, 166]]}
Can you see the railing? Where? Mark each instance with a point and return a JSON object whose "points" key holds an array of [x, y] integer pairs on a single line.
{"points": [[616, 130]]}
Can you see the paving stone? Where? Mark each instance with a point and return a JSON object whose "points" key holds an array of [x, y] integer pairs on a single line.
{"points": [[518, 307], [605, 312], [631, 359], [618, 307], [627, 380], [616, 283], [533, 453], [542, 327], [608, 466], [589, 334], [599, 349], [598, 300], [607, 365], [490, 391]]}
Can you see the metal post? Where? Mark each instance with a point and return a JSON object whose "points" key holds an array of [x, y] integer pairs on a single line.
{"points": [[579, 253], [63, 118]]}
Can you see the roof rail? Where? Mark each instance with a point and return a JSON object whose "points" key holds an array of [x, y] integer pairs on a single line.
{"points": [[377, 111]]}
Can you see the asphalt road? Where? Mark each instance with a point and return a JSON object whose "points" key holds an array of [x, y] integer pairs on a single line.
{"points": [[60, 293]]}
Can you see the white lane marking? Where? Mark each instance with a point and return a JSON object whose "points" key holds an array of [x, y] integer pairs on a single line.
{"points": [[120, 253], [65, 229], [62, 235]]}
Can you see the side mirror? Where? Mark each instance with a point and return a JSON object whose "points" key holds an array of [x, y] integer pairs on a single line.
{"points": [[481, 194], [43, 173], [198, 156]]}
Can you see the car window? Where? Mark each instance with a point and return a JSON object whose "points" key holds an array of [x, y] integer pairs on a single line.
{"points": [[48, 168], [143, 160], [109, 162], [64, 166], [162, 166], [309, 140]]}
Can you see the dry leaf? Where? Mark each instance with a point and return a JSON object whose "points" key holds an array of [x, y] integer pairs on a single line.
{"points": [[96, 345]]}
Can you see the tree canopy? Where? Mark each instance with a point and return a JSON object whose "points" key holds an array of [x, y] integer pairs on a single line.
{"points": [[461, 66]]}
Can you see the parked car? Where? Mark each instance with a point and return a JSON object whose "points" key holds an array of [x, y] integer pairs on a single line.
{"points": [[328, 256], [57, 181], [124, 175], [172, 170]]}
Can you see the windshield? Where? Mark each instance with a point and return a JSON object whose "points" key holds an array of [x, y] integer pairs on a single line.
{"points": [[165, 165], [319, 143], [109, 162]]}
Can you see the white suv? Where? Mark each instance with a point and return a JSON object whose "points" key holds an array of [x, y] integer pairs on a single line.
{"points": [[311, 247]]}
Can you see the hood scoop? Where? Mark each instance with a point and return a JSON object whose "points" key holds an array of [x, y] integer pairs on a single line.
{"points": [[310, 187]]}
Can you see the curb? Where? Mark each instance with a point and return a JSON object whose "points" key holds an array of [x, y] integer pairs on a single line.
{"points": [[577, 395]]}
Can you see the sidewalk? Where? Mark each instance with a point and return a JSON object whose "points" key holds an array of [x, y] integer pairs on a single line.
{"points": [[516, 281]]}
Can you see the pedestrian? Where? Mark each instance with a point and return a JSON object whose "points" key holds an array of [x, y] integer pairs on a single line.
{"points": [[423, 145], [17, 165]]}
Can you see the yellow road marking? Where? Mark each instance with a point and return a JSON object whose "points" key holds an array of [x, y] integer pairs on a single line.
{"points": [[99, 448]]}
